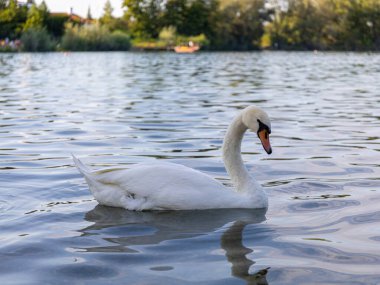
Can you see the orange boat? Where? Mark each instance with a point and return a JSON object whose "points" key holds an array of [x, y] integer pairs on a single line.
{"points": [[186, 49]]}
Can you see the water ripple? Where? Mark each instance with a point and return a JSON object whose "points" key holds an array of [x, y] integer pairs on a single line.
{"points": [[332, 255], [126, 108], [311, 206]]}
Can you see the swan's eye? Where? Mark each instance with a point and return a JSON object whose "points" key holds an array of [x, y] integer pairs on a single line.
{"points": [[262, 127]]}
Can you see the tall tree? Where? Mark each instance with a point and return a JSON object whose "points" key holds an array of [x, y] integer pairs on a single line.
{"points": [[107, 19], [362, 25], [3, 4], [197, 17], [175, 15], [239, 25], [9, 12], [300, 27], [89, 14], [190, 18], [12, 19], [44, 12], [144, 17], [35, 19]]}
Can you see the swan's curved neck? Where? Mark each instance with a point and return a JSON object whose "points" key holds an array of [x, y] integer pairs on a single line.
{"points": [[232, 155]]}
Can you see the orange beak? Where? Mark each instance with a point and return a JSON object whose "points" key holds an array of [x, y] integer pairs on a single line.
{"points": [[264, 137]]}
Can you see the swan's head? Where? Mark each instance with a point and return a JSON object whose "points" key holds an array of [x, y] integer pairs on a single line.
{"points": [[258, 122]]}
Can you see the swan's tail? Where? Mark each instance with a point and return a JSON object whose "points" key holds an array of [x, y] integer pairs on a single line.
{"points": [[85, 170]]}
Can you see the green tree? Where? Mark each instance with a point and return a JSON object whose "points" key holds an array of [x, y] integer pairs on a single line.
{"points": [[188, 17], [44, 12], [332, 15], [197, 17], [300, 27], [168, 35], [175, 15], [35, 19], [12, 19], [144, 17], [3, 4], [251, 24], [8, 12], [238, 25], [111, 22], [362, 25], [107, 19], [56, 24], [89, 14], [34, 40]]}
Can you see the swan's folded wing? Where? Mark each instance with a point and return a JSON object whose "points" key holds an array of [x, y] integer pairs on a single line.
{"points": [[138, 172], [109, 175]]}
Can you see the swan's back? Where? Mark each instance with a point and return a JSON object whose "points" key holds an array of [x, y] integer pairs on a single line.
{"points": [[160, 186]]}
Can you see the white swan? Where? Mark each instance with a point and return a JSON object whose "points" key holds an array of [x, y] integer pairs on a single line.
{"points": [[169, 186]]}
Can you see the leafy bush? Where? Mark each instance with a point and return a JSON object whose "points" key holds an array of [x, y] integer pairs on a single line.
{"points": [[167, 39], [36, 39], [120, 41], [200, 40], [168, 35], [149, 44], [93, 38]]}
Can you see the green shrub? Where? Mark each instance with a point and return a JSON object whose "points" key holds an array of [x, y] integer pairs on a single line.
{"points": [[149, 44], [168, 35], [168, 38], [93, 38], [36, 39], [199, 40], [120, 41]]}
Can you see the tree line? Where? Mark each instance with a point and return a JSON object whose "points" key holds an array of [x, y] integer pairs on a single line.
{"points": [[263, 24], [32, 27], [215, 24]]}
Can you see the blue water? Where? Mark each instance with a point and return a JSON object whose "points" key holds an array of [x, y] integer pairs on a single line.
{"points": [[323, 178]]}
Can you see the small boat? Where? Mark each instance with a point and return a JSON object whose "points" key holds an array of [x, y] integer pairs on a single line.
{"points": [[186, 48]]}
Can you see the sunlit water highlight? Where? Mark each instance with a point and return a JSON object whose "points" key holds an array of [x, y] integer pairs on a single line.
{"points": [[323, 178]]}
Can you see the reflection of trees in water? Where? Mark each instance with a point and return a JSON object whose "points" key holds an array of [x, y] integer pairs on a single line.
{"points": [[162, 226], [232, 243]]}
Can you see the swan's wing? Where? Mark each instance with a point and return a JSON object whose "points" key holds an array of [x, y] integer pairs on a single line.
{"points": [[108, 176], [173, 186], [106, 193], [86, 170], [150, 173], [158, 186]]}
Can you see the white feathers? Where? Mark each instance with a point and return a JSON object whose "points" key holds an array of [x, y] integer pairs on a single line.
{"points": [[169, 186]]}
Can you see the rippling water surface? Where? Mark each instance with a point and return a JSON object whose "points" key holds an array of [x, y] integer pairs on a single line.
{"points": [[323, 178]]}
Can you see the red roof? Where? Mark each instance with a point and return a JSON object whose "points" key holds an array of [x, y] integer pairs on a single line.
{"points": [[73, 17]]}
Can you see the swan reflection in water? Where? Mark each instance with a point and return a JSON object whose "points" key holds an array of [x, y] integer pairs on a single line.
{"points": [[119, 227], [232, 243]]}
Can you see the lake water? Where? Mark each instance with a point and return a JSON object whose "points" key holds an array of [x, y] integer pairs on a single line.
{"points": [[323, 178]]}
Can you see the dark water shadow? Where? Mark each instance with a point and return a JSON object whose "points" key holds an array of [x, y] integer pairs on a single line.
{"points": [[236, 253], [129, 229]]}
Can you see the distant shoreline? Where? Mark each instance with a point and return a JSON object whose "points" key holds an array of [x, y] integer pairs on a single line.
{"points": [[198, 52]]}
